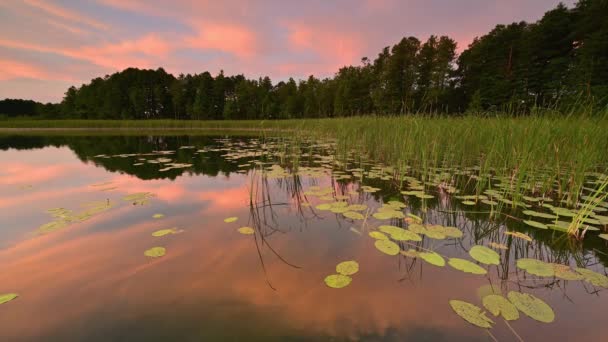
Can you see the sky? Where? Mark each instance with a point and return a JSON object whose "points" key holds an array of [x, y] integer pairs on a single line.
{"points": [[48, 45]]}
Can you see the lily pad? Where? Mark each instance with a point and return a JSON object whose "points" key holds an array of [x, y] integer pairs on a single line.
{"points": [[603, 236], [593, 278], [164, 232], [353, 215], [231, 219], [532, 306], [347, 268], [484, 255], [471, 313], [155, 252], [377, 235], [466, 266], [536, 267], [432, 258], [411, 253], [499, 305], [246, 230], [337, 281], [157, 216], [387, 247], [7, 297], [536, 224], [564, 272]]}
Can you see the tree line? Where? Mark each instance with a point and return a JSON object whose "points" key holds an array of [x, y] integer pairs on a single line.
{"points": [[560, 61]]}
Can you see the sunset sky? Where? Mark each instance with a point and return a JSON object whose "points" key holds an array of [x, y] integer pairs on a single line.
{"points": [[46, 46]]}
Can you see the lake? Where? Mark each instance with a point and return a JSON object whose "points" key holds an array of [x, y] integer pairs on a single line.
{"points": [[251, 227]]}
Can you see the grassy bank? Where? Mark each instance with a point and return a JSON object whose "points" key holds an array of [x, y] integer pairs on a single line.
{"points": [[534, 154]]}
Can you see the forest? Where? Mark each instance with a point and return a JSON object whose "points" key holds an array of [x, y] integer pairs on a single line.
{"points": [[559, 62]]}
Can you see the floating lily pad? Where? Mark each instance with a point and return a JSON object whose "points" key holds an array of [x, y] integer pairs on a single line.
{"points": [[323, 206], [7, 297], [337, 281], [452, 232], [564, 272], [411, 253], [157, 216], [155, 252], [231, 219], [353, 215], [593, 278], [484, 255], [347, 268], [536, 267], [387, 247], [466, 266], [499, 305], [603, 236], [399, 234], [471, 313], [532, 306], [164, 232], [539, 214], [536, 224], [246, 230], [377, 235], [471, 203], [432, 258]]}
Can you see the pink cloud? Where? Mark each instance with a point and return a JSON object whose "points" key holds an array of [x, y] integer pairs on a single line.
{"points": [[13, 69], [337, 48], [232, 38], [66, 14]]}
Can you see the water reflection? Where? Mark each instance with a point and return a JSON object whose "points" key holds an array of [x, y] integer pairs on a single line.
{"points": [[91, 281]]}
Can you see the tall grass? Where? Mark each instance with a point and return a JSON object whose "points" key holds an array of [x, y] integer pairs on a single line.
{"points": [[535, 154]]}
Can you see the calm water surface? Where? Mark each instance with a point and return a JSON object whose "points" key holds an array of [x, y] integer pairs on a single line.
{"points": [[90, 280]]}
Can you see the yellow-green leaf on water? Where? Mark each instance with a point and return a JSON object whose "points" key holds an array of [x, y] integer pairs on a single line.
{"points": [[157, 216], [603, 236], [323, 206], [231, 219], [7, 297], [564, 272], [399, 234], [484, 255], [155, 252], [411, 253], [536, 224], [466, 266], [417, 228], [532, 306], [347, 268], [353, 215], [416, 218], [164, 232], [536, 267], [432, 258], [387, 247], [337, 281], [471, 313], [377, 235], [246, 230], [452, 232], [593, 278], [499, 305], [468, 203]]}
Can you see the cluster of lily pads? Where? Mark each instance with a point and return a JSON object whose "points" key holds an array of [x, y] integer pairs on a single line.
{"points": [[163, 161], [342, 278], [245, 230]]}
